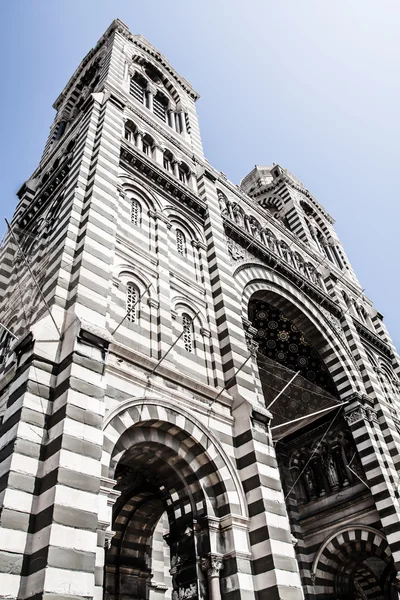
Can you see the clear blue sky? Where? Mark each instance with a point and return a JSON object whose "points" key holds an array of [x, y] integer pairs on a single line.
{"points": [[310, 84]]}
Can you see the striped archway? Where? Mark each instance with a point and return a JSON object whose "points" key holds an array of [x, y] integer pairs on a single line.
{"points": [[165, 463], [354, 562], [261, 282]]}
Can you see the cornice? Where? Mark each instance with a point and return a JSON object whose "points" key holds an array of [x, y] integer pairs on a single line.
{"points": [[178, 143], [89, 56], [143, 44], [134, 159], [46, 193], [283, 178], [372, 338], [261, 251]]}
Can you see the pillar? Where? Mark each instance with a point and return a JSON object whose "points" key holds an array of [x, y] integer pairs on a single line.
{"points": [[213, 565]]}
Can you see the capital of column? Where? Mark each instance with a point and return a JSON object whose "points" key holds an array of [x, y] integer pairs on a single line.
{"points": [[121, 191], [151, 89], [358, 413], [159, 216], [205, 332], [153, 303], [212, 564], [252, 345]]}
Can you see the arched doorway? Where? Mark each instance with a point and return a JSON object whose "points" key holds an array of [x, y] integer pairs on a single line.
{"points": [[171, 497], [355, 563]]}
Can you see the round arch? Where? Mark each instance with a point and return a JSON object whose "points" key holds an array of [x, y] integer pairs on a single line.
{"points": [[310, 319], [137, 59], [131, 185], [155, 410], [166, 465], [355, 561]]}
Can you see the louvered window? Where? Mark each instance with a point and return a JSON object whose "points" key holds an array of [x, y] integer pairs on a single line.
{"points": [[138, 88], [160, 104], [135, 212], [180, 242], [131, 299], [187, 332]]}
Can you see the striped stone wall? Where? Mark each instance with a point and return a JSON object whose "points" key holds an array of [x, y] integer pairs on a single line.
{"points": [[96, 395]]}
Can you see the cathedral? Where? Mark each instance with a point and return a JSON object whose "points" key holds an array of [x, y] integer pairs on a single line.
{"points": [[197, 399]]}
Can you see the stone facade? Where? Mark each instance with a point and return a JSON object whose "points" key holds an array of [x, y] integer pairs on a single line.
{"points": [[151, 313]]}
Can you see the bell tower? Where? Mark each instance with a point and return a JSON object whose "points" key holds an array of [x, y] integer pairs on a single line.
{"points": [[197, 399]]}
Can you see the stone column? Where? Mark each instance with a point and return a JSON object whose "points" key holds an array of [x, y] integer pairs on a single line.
{"points": [[213, 565], [158, 154], [174, 168], [139, 140], [171, 119], [151, 92]]}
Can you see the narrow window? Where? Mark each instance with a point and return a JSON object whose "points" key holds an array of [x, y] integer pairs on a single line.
{"points": [[135, 212], [187, 325], [187, 122], [60, 129], [129, 133], [160, 104], [180, 242], [138, 88], [131, 299], [146, 148], [182, 175]]}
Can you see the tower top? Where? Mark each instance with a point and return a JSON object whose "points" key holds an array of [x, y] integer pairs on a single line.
{"points": [[264, 179], [118, 26]]}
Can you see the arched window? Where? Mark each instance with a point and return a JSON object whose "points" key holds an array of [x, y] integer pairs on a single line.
{"points": [[136, 212], [299, 262], [187, 325], [271, 240], [147, 145], [255, 227], [168, 160], [285, 251], [132, 296], [130, 132], [138, 87], [180, 242], [160, 105], [183, 173], [60, 129]]}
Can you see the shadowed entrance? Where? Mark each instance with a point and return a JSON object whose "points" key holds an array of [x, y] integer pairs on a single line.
{"points": [[161, 474]]}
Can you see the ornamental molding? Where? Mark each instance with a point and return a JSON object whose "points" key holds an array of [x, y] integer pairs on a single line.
{"points": [[358, 414], [212, 565], [271, 260], [361, 413], [373, 338], [134, 159]]}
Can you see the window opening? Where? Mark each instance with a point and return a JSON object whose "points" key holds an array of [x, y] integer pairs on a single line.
{"points": [[182, 175], [131, 299], [135, 212], [160, 104], [180, 242], [187, 332], [138, 88]]}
